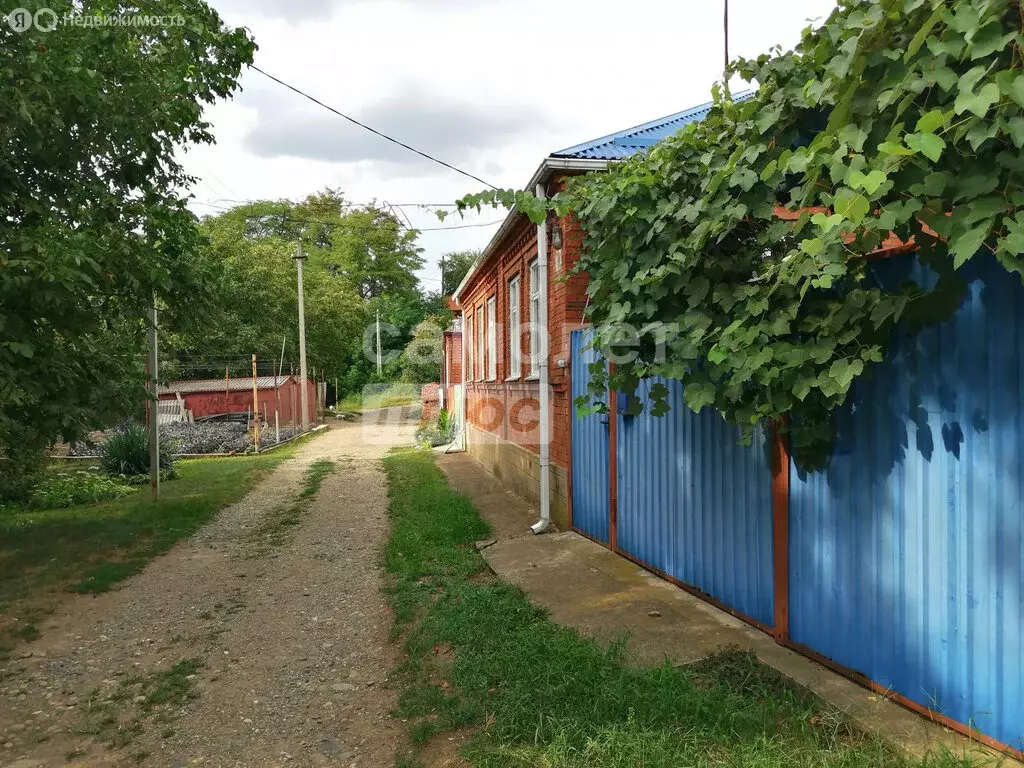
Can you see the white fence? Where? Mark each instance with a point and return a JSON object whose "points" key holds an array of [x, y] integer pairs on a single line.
{"points": [[172, 411]]}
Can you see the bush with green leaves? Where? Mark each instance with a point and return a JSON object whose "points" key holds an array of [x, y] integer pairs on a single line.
{"points": [[22, 454], [57, 490], [746, 239], [441, 431], [95, 121], [126, 452]]}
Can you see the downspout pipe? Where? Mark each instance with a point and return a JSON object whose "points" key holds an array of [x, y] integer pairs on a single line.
{"points": [[541, 325], [462, 426]]}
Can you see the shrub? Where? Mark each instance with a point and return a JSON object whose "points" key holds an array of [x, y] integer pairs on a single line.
{"points": [[22, 453], [439, 432], [445, 425], [126, 452], [69, 489]]}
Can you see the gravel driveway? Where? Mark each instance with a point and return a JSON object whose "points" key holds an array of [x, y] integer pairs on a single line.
{"points": [[286, 651]]}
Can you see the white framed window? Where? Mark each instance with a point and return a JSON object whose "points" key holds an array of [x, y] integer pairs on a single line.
{"points": [[535, 329], [478, 363], [467, 339], [515, 341], [492, 339]]}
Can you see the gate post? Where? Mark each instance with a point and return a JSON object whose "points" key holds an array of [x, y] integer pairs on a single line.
{"points": [[613, 465], [780, 533]]}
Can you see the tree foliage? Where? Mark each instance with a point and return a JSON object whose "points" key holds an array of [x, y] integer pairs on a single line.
{"points": [[454, 267], [359, 260], [91, 225], [746, 240], [421, 358]]}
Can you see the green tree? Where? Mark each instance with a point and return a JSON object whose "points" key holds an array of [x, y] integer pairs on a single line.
{"points": [[454, 267], [421, 358], [91, 223], [256, 296], [360, 260]]}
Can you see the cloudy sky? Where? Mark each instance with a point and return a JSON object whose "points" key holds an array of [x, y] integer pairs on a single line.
{"points": [[492, 86]]}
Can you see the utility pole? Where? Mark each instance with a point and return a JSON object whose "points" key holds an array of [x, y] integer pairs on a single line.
{"points": [[304, 395], [725, 21], [277, 387], [154, 410], [379, 362], [255, 409]]}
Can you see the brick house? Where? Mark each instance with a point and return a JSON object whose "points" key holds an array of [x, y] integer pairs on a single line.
{"points": [[498, 304], [451, 356]]}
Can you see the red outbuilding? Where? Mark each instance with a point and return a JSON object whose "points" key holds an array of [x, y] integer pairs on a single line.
{"points": [[210, 397]]}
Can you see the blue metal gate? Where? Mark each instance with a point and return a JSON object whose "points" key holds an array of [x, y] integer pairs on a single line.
{"points": [[590, 479], [696, 505], [907, 553]]}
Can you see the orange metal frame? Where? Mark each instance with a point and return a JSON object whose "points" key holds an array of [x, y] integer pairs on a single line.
{"points": [[613, 466]]}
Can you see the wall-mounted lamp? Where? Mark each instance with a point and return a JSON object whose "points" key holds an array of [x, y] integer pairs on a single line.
{"points": [[556, 236]]}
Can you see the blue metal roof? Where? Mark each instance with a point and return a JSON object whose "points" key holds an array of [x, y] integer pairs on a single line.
{"points": [[622, 144]]}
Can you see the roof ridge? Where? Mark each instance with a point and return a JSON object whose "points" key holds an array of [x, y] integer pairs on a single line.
{"points": [[690, 113]]}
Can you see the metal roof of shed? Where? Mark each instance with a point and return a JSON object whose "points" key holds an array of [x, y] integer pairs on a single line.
{"points": [[622, 144], [219, 385]]}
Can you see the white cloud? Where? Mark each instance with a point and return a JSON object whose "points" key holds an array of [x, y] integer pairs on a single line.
{"points": [[446, 128], [295, 11], [492, 86]]}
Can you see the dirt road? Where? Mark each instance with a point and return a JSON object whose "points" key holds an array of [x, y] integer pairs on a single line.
{"points": [[227, 651]]}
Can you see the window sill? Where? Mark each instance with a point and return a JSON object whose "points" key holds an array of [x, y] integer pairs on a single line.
{"points": [[513, 378], [491, 379], [533, 377]]}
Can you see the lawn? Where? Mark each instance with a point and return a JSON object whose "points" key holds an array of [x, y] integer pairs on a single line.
{"points": [[482, 661], [385, 398], [90, 548]]}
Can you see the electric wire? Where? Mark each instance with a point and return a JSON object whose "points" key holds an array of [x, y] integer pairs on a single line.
{"points": [[331, 109]]}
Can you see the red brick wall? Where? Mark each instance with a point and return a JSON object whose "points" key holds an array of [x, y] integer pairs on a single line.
{"points": [[517, 401], [451, 364], [429, 399]]}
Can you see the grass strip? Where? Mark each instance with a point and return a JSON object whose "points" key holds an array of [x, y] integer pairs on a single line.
{"points": [[358, 401], [481, 658], [273, 528]]}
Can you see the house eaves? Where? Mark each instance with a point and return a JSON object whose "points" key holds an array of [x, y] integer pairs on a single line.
{"points": [[544, 172]]}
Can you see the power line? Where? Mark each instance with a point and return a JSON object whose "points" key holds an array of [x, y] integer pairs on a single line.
{"points": [[355, 227], [337, 112], [373, 130], [347, 204]]}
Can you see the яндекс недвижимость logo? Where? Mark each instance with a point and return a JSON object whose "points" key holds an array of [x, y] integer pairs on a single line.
{"points": [[47, 20]]}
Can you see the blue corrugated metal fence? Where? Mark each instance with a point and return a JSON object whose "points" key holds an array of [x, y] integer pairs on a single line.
{"points": [[695, 504], [906, 553], [590, 480]]}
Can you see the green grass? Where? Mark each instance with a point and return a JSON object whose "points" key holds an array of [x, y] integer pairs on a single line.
{"points": [[357, 401], [90, 548], [315, 475], [273, 528], [481, 656], [119, 717]]}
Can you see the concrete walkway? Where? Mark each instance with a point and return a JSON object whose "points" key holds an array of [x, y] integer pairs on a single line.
{"points": [[603, 595]]}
